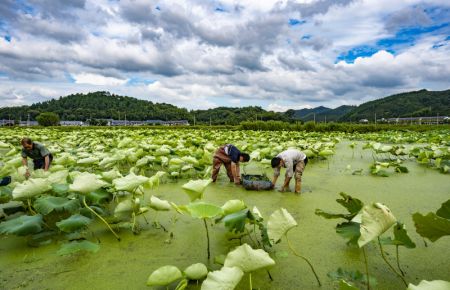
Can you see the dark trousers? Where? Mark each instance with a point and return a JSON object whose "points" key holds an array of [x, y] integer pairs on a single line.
{"points": [[40, 163], [5, 180]]}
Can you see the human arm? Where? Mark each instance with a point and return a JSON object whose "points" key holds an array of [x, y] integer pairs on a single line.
{"points": [[46, 162], [235, 170], [285, 184], [25, 163]]}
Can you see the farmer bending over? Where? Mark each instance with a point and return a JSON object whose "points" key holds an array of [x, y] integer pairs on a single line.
{"points": [[294, 161], [42, 158], [229, 156]]}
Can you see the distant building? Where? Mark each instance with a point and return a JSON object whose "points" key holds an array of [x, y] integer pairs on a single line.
{"points": [[420, 120], [72, 123], [177, 123], [6, 122], [28, 123], [363, 121]]}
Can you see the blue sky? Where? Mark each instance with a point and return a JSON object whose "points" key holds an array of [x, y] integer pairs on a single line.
{"points": [[202, 54]]}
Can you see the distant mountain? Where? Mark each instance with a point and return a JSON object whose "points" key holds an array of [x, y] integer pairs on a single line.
{"points": [[103, 105], [321, 114], [411, 104]]}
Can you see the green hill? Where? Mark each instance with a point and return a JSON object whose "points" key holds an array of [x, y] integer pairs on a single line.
{"points": [[412, 104], [321, 114], [103, 105]]}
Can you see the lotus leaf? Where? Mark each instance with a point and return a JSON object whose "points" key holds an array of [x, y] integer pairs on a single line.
{"points": [[195, 188], [248, 259], [125, 208], [431, 226], [232, 206], [224, 279], [203, 210], [430, 285], [73, 223], [99, 196], [47, 204], [280, 222], [75, 246], [401, 237], [22, 226], [86, 182], [349, 230], [235, 222], [130, 182], [376, 219], [159, 204], [31, 188], [196, 271], [111, 175], [164, 276]]}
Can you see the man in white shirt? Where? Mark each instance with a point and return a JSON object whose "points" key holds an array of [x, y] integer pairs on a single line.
{"points": [[294, 161]]}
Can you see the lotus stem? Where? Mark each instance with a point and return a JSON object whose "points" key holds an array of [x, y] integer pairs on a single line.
{"points": [[134, 222], [100, 217], [270, 276], [306, 260], [390, 266], [367, 268], [398, 260], [250, 280], [207, 238], [30, 208]]}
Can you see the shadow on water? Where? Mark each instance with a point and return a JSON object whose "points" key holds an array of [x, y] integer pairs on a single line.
{"points": [[127, 264]]}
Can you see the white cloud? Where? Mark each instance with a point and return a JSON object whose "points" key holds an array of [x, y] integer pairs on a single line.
{"points": [[283, 108], [98, 80]]}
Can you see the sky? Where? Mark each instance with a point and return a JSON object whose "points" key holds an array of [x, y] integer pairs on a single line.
{"points": [[203, 54]]}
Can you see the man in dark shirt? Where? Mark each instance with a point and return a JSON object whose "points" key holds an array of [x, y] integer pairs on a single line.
{"points": [[230, 157], [42, 158]]}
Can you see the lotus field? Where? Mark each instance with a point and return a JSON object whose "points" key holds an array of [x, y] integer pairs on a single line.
{"points": [[135, 208]]}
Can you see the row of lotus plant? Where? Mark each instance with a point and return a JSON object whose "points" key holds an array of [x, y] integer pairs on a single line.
{"points": [[180, 153]]}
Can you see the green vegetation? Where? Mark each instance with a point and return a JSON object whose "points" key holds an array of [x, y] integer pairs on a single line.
{"points": [[48, 119]]}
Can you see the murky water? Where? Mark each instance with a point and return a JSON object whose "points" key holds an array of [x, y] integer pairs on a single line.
{"points": [[127, 264]]}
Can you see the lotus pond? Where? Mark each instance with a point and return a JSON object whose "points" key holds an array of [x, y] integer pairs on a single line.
{"points": [[120, 204]]}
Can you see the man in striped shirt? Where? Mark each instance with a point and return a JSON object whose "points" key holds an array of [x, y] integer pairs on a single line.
{"points": [[230, 157], [294, 161]]}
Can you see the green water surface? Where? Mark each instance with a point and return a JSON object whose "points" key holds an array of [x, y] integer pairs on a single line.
{"points": [[128, 263]]}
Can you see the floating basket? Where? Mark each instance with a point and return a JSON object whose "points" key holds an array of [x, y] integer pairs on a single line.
{"points": [[256, 182]]}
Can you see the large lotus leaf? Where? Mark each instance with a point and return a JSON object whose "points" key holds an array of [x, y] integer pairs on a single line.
{"points": [[431, 226], [248, 259], [224, 279], [22, 226], [88, 160], [99, 196], [86, 182], [349, 231], [196, 271], [60, 189], [326, 152], [235, 222], [203, 210], [73, 223], [125, 208], [143, 161], [4, 145], [5, 194], [164, 276], [195, 188], [111, 175], [130, 182], [75, 246], [31, 188], [444, 210], [159, 204], [233, 205], [430, 285], [47, 204], [280, 222], [401, 237], [376, 219]]}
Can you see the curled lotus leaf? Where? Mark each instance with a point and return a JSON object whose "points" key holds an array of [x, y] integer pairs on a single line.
{"points": [[430, 285], [203, 210], [226, 278], [30, 188], [233, 205], [86, 182], [159, 204], [164, 276], [73, 223], [196, 271], [280, 222], [130, 182], [195, 188], [375, 220], [248, 259]]}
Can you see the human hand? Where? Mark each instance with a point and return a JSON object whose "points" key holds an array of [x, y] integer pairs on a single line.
{"points": [[27, 174]]}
